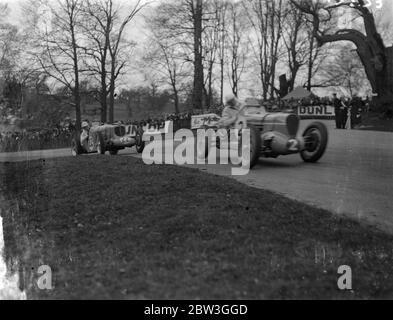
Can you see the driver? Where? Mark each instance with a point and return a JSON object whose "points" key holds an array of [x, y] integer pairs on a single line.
{"points": [[230, 112], [85, 135]]}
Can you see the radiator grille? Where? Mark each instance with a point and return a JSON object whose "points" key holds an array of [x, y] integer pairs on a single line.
{"points": [[120, 131]]}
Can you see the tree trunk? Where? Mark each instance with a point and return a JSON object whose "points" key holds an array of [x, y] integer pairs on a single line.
{"points": [[112, 92], [104, 104], [292, 80], [284, 86], [222, 58], [129, 108], [112, 106], [210, 87], [198, 63], [205, 97], [78, 111], [176, 99], [310, 64], [222, 80], [104, 92], [384, 80], [76, 91]]}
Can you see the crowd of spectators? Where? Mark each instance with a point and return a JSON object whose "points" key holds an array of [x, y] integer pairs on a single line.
{"points": [[273, 105], [35, 139], [181, 120], [291, 104]]}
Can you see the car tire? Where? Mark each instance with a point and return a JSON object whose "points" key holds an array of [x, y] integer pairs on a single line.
{"points": [[316, 140], [76, 147], [140, 144], [255, 147], [101, 146]]}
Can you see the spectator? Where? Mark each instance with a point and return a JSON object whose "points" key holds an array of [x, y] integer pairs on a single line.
{"points": [[356, 111], [337, 110], [344, 112]]}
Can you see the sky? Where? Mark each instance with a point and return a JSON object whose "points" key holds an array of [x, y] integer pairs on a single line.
{"points": [[384, 15]]}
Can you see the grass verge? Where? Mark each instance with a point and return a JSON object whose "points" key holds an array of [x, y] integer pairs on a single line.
{"points": [[113, 228]]}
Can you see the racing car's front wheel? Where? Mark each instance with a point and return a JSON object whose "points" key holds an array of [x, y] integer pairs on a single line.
{"points": [[316, 140]]}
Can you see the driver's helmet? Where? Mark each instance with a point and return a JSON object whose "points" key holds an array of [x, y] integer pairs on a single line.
{"points": [[231, 101], [85, 125]]}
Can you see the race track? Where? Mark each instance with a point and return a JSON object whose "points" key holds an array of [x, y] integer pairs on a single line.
{"points": [[354, 178]]}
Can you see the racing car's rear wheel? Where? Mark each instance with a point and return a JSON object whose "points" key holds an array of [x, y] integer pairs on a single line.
{"points": [[101, 148], [76, 147], [140, 144], [250, 153], [316, 140]]}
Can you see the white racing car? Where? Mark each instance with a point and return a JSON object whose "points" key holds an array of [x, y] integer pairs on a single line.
{"points": [[110, 138]]}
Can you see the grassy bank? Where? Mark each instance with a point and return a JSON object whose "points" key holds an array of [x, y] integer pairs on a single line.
{"points": [[114, 228]]}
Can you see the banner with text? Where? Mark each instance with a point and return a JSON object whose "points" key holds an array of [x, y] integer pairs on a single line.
{"points": [[315, 112], [163, 127], [205, 120]]}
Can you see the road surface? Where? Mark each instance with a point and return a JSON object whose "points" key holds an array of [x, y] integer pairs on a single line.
{"points": [[354, 178]]}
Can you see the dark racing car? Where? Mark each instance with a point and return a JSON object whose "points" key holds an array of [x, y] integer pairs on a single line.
{"points": [[273, 135]]}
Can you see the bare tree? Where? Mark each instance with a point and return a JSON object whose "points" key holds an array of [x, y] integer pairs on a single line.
{"points": [[196, 9], [375, 56], [57, 46], [344, 70], [164, 57], [17, 71], [222, 14], [119, 48], [107, 47], [182, 22], [97, 28], [237, 45], [265, 18], [212, 32], [296, 41], [8, 34]]}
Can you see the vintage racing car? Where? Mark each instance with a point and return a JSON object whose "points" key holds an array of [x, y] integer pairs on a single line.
{"points": [[112, 138], [272, 135]]}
